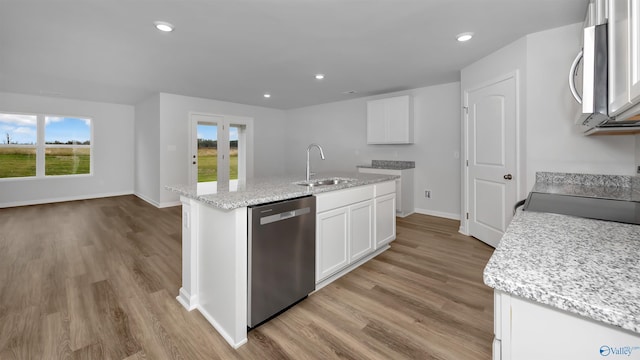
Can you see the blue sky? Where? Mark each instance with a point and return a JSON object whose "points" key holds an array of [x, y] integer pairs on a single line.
{"points": [[22, 129], [210, 132], [64, 129]]}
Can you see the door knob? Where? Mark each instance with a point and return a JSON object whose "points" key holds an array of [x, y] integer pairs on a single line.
{"points": [[508, 177]]}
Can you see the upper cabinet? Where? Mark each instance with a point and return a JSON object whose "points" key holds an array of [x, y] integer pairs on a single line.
{"points": [[390, 120], [634, 49], [624, 57]]}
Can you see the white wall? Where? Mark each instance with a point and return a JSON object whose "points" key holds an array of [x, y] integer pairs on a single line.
{"points": [[268, 146], [113, 152], [147, 153], [340, 128], [553, 142]]}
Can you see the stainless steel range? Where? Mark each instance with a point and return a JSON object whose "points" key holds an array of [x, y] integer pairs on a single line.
{"points": [[624, 211]]}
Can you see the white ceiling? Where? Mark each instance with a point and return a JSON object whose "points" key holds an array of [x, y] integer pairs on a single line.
{"points": [[236, 50]]}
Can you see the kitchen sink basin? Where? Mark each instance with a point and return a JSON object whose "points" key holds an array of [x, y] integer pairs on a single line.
{"points": [[324, 182]]}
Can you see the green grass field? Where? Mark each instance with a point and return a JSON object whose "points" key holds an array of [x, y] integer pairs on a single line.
{"points": [[208, 164], [21, 162]]}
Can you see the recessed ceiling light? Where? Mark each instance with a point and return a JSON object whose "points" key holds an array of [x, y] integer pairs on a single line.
{"points": [[464, 36], [267, 95], [319, 76], [163, 26]]}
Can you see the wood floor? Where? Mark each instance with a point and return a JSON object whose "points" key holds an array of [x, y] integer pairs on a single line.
{"points": [[97, 279]]}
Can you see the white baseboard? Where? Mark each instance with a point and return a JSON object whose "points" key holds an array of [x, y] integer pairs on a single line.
{"points": [[63, 199], [222, 330], [144, 198], [158, 204], [189, 302], [441, 214], [348, 269], [170, 204]]}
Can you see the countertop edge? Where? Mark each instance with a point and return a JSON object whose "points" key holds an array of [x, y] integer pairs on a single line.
{"points": [[226, 201], [564, 303]]}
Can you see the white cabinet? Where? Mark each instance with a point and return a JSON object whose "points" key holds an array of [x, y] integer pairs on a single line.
{"points": [[527, 330], [390, 120], [344, 228], [361, 229], [624, 57], [343, 235], [385, 219], [352, 225], [404, 188], [619, 56], [634, 49], [332, 237]]}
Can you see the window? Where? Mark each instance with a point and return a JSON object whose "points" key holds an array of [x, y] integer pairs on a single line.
{"points": [[18, 149], [67, 146], [44, 145]]}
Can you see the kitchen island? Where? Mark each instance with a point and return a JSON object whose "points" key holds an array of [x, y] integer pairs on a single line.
{"points": [[214, 238], [567, 287]]}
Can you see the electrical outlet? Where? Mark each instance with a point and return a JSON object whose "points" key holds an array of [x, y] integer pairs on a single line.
{"points": [[427, 194], [638, 170]]}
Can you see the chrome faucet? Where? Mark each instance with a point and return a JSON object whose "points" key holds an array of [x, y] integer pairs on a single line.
{"points": [[321, 155]]}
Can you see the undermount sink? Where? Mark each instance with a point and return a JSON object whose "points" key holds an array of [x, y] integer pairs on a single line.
{"points": [[324, 182]]}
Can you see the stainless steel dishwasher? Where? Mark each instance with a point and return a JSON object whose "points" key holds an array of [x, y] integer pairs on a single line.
{"points": [[282, 255]]}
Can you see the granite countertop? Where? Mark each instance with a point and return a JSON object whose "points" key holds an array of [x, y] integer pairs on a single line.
{"points": [[390, 165], [266, 190], [584, 266], [588, 267]]}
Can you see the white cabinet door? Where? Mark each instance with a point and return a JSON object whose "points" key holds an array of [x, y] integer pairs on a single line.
{"points": [[331, 242], [634, 49], [385, 219], [619, 70], [376, 122], [360, 230], [390, 121], [397, 115]]}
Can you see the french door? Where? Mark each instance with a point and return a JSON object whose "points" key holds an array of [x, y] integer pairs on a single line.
{"points": [[221, 150]]}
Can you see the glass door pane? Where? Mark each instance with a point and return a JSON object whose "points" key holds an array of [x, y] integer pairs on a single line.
{"points": [[233, 152], [207, 152]]}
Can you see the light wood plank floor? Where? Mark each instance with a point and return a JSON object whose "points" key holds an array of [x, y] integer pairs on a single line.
{"points": [[97, 279]]}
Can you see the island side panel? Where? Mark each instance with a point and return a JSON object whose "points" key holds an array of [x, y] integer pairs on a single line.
{"points": [[188, 295], [222, 271]]}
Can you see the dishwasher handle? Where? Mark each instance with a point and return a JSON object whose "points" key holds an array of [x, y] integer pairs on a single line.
{"points": [[284, 216]]}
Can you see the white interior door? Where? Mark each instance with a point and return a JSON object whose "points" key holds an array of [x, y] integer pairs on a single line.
{"points": [[491, 145]]}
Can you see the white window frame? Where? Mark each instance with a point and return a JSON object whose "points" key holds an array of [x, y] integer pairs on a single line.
{"points": [[41, 147]]}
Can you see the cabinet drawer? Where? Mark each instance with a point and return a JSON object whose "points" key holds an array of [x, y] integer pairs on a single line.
{"points": [[385, 188], [335, 199]]}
